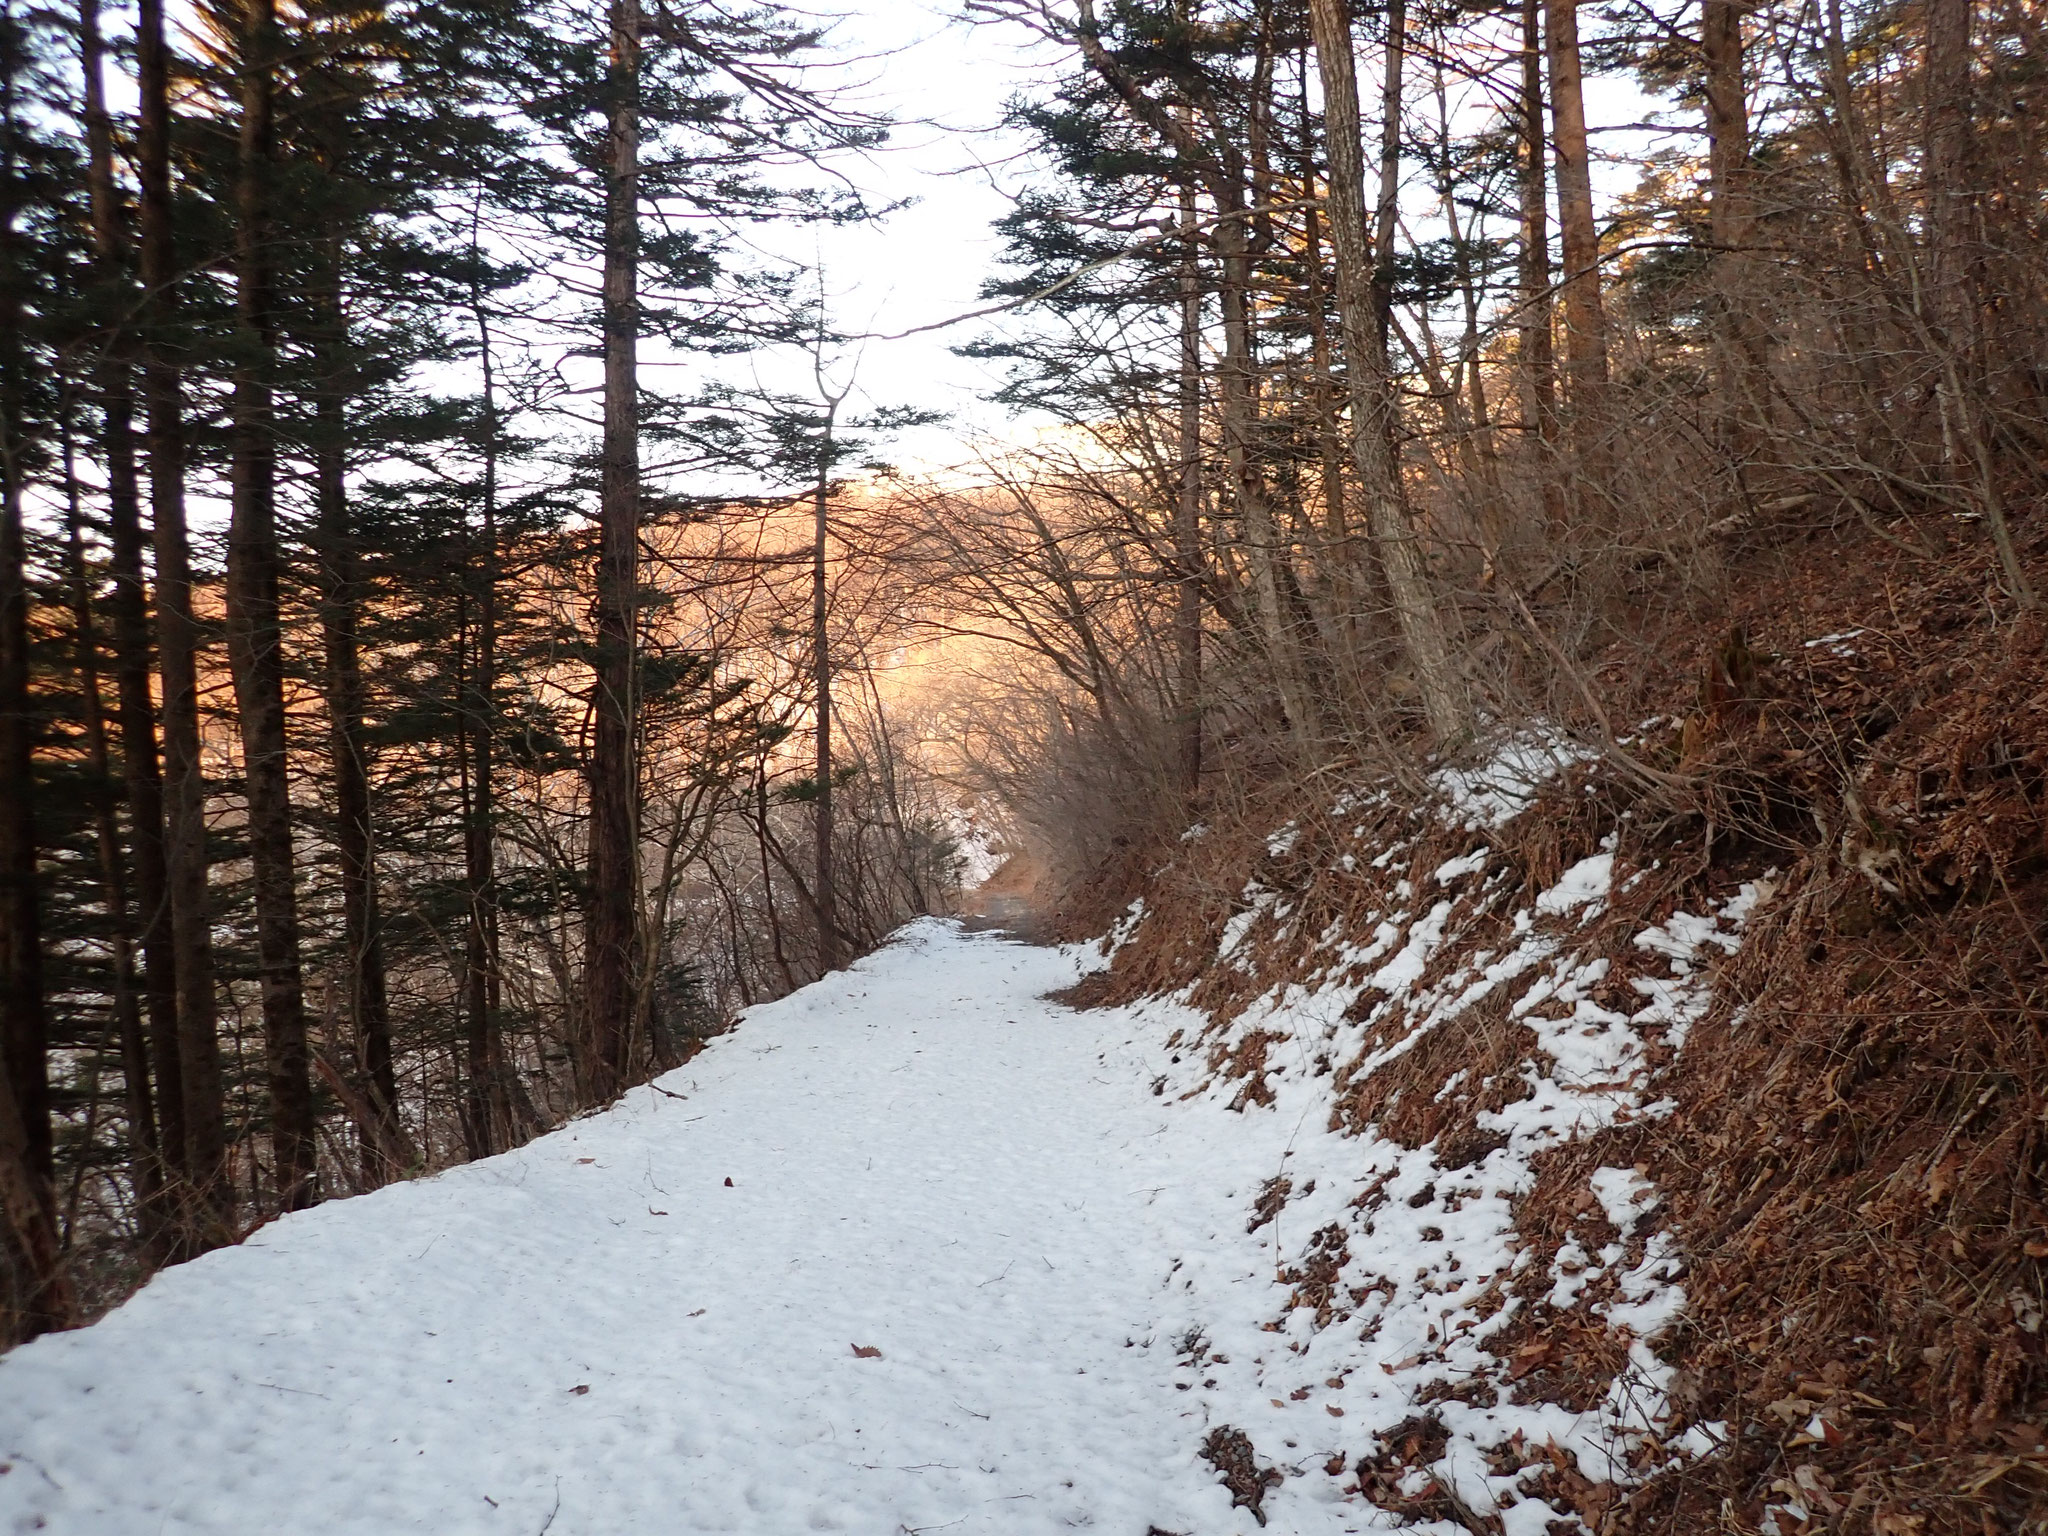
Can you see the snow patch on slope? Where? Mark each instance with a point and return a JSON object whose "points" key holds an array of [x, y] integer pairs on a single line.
{"points": [[1496, 791], [1373, 1303]]}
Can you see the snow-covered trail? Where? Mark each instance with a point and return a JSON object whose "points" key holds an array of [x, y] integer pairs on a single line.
{"points": [[598, 1334]]}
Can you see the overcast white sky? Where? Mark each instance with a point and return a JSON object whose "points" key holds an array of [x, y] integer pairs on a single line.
{"points": [[946, 82]]}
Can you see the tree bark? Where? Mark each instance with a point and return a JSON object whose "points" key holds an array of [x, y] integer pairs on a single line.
{"points": [[24, 1029], [1585, 321], [255, 635], [26, 1193], [1952, 310], [145, 1160], [135, 707], [1727, 110], [1373, 411], [1187, 511], [1730, 218], [611, 940], [26, 1157], [489, 1103], [824, 884], [767, 877], [114, 376], [1387, 205], [1329, 436], [1946, 170], [1539, 364], [1260, 531], [1359, 604], [25, 1197], [200, 1083], [341, 601]]}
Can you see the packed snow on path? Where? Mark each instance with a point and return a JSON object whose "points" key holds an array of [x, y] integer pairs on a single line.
{"points": [[648, 1320]]}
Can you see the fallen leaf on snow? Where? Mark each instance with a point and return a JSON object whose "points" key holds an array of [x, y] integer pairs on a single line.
{"points": [[865, 1351]]}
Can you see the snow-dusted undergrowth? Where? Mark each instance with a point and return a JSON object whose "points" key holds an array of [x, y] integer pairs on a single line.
{"points": [[1364, 1334]]}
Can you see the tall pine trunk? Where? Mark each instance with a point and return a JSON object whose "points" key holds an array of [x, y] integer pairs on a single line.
{"points": [[208, 1196], [760, 820], [825, 885], [135, 706], [341, 600], [255, 633], [1329, 408], [1356, 594], [1585, 320], [25, 1139], [612, 927], [1539, 363], [1187, 508], [1951, 306], [1373, 413], [24, 1033], [1265, 550], [24, 1028], [145, 1168], [1386, 211], [488, 1117], [1946, 169], [1730, 216]]}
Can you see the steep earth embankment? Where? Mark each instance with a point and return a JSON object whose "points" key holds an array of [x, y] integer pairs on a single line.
{"points": [[1700, 1078]]}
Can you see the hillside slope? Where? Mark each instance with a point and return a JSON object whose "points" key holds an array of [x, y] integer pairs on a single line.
{"points": [[1782, 947]]}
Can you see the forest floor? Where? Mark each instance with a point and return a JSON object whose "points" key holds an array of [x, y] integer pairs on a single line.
{"points": [[895, 1255]]}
